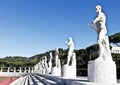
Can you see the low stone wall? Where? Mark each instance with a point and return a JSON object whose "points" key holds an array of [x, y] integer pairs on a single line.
{"points": [[12, 74]]}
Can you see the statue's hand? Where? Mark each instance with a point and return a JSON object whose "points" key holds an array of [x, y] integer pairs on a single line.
{"points": [[91, 25], [66, 42]]}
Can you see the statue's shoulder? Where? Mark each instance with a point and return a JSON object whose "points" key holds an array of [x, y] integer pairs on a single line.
{"points": [[103, 14]]}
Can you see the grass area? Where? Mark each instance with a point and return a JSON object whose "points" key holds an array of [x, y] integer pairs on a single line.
{"points": [[2, 78]]}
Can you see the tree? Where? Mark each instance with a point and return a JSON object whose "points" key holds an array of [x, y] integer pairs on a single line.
{"points": [[115, 39]]}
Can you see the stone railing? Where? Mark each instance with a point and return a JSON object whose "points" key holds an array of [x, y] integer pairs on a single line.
{"points": [[12, 71]]}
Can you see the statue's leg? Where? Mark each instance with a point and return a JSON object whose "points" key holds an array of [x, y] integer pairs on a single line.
{"points": [[100, 51], [101, 46], [56, 62], [59, 65], [68, 59], [107, 49]]}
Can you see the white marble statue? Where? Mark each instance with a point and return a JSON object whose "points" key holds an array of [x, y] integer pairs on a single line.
{"points": [[70, 49], [40, 67], [50, 63], [43, 66], [103, 69], [56, 57], [103, 42], [36, 68], [46, 65], [69, 71], [56, 71]]}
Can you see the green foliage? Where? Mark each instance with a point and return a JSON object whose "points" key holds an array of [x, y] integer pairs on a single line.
{"points": [[115, 39], [17, 61]]}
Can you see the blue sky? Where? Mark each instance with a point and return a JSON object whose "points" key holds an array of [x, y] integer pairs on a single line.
{"points": [[30, 27]]}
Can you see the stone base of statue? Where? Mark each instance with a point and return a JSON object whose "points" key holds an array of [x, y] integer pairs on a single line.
{"points": [[68, 71], [56, 71], [102, 72]]}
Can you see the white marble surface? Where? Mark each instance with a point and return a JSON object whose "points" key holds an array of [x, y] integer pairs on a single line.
{"points": [[68, 71], [102, 72], [56, 71]]}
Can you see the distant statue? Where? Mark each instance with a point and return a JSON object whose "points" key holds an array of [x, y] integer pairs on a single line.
{"points": [[56, 57], [46, 65], [56, 70], [42, 63], [103, 42], [43, 66], [40, 67], [50, 63], [70, 49]]}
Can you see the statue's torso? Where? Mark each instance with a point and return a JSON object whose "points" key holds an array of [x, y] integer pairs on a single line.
{"points": [[100, 24]]}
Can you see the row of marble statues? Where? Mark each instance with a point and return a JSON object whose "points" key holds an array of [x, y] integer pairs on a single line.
{"points": [[46, 68], [103, 42], [97, 69]]}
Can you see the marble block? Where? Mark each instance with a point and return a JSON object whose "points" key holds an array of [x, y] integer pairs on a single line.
{"points": [[102, 72], [56, 71], [69, 71]]}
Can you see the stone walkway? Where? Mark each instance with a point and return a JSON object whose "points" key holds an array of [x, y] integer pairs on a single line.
{"points": [[7, 81]]}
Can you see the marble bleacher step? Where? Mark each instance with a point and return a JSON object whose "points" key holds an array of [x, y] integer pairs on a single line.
{"points": [[45, 81], [36, 81], [53, 78], [30, 81], [20, 81]]}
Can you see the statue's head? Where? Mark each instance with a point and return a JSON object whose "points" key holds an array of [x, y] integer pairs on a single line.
{"points": [[56, 49], [51, 54], [70, 38], [98, 8], [45, 58]]}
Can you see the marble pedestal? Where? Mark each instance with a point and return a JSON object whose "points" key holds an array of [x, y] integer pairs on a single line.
{"points": [[69, 71], [102, 72], [56, 71]]}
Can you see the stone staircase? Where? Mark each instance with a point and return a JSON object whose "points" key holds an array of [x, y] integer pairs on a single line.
{"points": [[42, 79], [37, 79]]}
